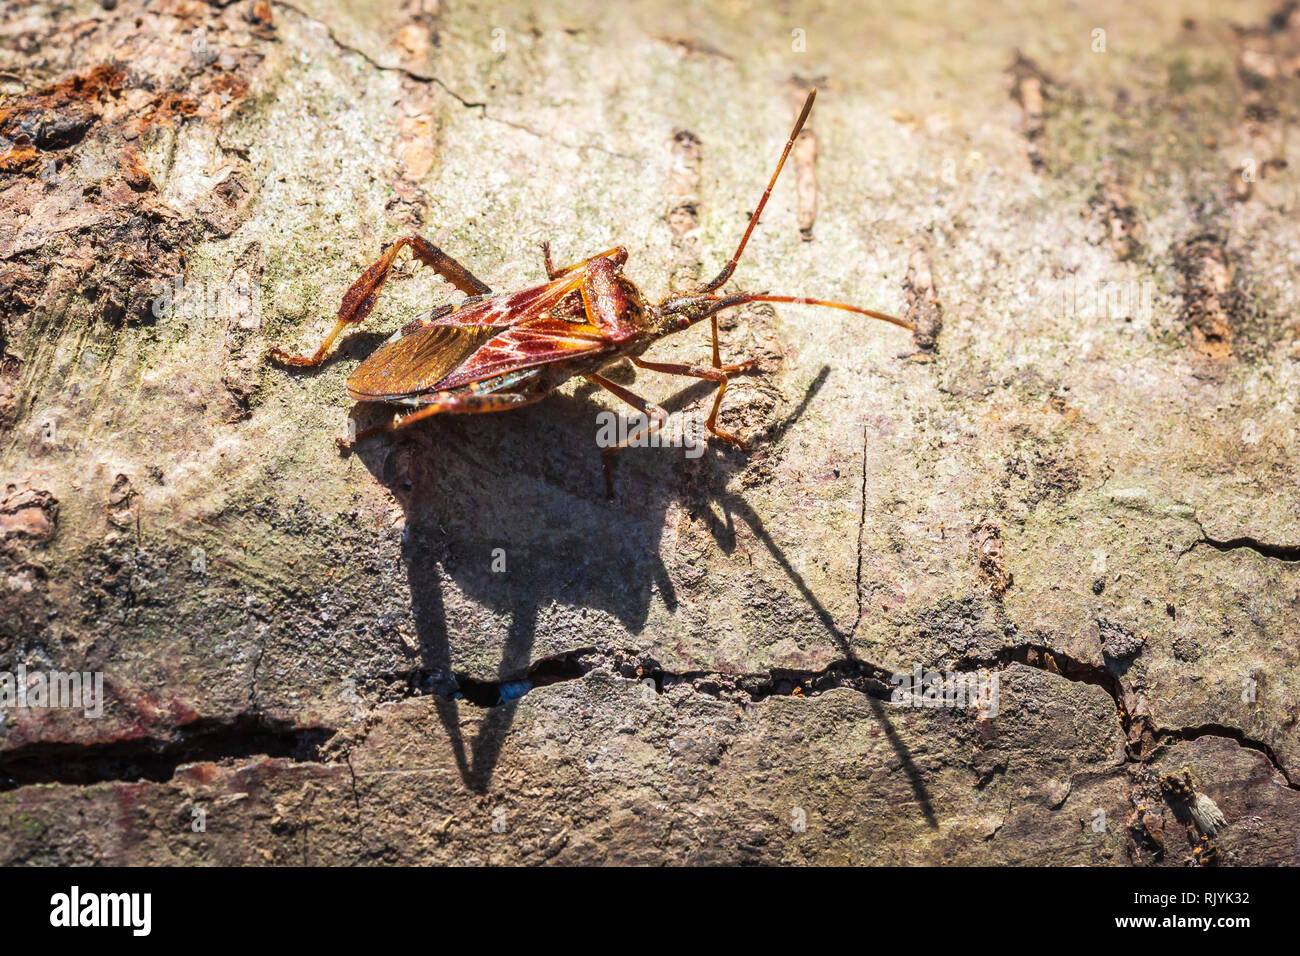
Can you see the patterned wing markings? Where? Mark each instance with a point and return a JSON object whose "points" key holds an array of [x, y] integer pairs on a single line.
{"points": [[415, 362], [559, 299], [443, 357], [514, 308], [533, 343]]}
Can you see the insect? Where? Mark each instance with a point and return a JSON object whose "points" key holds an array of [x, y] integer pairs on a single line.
{"points": [[493, 352]]}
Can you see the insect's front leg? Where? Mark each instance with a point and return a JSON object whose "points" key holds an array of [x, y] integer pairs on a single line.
{"points": [[717, 360], [718, 373], [360, 298]]}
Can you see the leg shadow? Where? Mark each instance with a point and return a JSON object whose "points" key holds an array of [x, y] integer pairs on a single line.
{"points": [[528, 486]]}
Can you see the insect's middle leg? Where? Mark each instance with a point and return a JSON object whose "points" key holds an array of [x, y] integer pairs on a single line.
{"points": [[546, 259], [618, 253], [454, 403], [718, 373], [658, 417]]}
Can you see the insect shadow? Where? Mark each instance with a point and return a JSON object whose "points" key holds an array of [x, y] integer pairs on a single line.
{"points": [[511, 511]]}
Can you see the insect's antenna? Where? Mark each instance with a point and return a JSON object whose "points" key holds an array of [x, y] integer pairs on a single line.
{"points": [[730, 267], [728, 301]]}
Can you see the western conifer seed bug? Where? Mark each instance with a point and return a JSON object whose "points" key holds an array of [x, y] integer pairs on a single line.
{"points": [[492, 352]]}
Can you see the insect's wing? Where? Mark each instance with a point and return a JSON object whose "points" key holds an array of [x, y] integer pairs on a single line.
{"points": [[416, 362], [443, 357], [423, 353], [528, 344], [482, 338], [559, 299]]}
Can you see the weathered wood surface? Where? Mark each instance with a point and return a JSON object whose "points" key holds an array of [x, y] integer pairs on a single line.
{"points": [[1079, 476]]}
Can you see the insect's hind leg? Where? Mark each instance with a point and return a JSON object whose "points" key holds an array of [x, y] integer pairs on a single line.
{"points": [[360, 298]]}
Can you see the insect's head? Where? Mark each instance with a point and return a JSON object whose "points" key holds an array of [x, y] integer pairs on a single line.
{"points": [[677, 312]]}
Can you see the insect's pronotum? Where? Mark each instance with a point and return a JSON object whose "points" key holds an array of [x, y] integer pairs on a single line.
{"points": [[492, 352]]}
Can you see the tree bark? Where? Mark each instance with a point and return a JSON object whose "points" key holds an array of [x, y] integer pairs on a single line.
{"points": [[1075, 481]]}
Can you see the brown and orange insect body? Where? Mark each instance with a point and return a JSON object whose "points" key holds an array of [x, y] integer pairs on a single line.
{"points": [[490, 353]]}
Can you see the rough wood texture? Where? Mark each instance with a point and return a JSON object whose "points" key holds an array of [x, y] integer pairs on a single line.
{"points": [[1079, 475]]}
